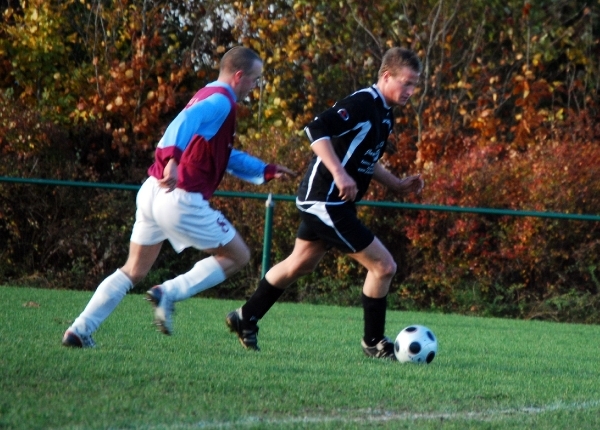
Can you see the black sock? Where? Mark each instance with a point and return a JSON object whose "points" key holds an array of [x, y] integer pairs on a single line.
{"points": [[261, 301], [374, 314]]}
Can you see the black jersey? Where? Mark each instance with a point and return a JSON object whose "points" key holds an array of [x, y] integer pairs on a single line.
{"points": [[358, 126]]}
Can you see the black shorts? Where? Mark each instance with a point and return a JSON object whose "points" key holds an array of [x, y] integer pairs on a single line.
{"points": [[336, 225]]}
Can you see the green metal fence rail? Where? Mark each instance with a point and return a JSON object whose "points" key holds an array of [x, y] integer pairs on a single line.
{"points": [[271, 198]]}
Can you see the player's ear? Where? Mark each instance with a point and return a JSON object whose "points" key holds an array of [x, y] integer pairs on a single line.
{"points": [[237, 76]]}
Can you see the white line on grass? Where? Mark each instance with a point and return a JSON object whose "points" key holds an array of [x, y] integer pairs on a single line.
{"points": [[370, 416]]}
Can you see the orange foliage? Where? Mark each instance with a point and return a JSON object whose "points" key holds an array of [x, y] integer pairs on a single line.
{"points": [[506, 116]]}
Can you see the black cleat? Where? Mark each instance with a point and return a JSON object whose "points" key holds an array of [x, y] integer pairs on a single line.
{"points": [[383, 349], [246, 330]]}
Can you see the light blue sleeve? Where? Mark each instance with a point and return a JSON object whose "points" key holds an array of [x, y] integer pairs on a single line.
{"points": [[203, 118], [246, 167]]}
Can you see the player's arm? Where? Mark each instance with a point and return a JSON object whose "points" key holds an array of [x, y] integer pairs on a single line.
{"points": [[343, 181], [343, 117], [254, 170], [410, 184], [201, 119], [169, 179]]}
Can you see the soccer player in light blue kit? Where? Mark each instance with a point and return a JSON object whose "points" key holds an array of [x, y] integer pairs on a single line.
{"points": [[173, 203]]}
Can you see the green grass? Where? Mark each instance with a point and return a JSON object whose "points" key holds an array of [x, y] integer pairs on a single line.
{"points": [[311, 373]]}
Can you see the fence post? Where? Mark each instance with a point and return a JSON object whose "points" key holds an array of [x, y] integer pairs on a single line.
{"points": [[269, 204]]}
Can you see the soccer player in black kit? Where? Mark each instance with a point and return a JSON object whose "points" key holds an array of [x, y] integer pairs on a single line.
{"points": [[348, 139]]}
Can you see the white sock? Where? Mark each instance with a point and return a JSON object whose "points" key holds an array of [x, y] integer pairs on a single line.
{"points": [[106, 298], [205, 274]]}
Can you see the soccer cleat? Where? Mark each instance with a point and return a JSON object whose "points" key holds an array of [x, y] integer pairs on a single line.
{"points": [[163, 309], [383, 349], [246, 330], [76, 340]]}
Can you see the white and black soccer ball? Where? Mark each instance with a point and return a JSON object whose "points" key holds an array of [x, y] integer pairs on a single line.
{"points": [[416, 344]]}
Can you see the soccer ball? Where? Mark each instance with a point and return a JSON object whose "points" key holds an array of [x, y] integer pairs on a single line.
{"points": [[415, 344]]}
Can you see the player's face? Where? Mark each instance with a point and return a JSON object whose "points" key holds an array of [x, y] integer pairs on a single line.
{"points": [[248, 81], [398, 88]]}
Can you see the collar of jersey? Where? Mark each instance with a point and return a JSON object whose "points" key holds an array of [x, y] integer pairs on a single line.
{"points": [[381, 95], [223, 85]]}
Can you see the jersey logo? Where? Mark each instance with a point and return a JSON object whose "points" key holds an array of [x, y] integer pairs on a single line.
{"points": [[223, 224], [344, 114]]}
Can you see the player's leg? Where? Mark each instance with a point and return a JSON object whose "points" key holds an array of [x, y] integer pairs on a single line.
{"points": [[381, 268], [225, 261], [340, 227], [109, 294], [140, 260], [145, 244], [233, 256], [187, 220], [303, 260]]}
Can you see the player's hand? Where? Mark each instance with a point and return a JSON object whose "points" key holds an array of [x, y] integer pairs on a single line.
{"points": [[169, 180], [412, 184], [282, 172], [346, 185]]}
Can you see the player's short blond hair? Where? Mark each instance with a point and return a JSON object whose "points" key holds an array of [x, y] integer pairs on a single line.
{"points": [[238, 58], [397, 58]]}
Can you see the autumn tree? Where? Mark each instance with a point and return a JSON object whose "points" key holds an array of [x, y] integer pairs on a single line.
{"points": [[506, 116]]}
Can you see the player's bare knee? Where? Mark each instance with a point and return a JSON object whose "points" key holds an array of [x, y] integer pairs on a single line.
{"points": [[387, 269], [298, 267], [242, 256], [304, 270]]}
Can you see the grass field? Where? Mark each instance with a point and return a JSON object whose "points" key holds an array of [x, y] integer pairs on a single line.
{"points": [[311, 372]]}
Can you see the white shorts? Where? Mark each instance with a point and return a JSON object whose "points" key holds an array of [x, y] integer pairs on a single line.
{"points": [[184, 218]]}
